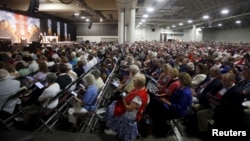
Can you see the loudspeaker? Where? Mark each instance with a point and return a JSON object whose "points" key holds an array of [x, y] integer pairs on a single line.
{"points": [[90, 25], [34, 6], [153, 29]]}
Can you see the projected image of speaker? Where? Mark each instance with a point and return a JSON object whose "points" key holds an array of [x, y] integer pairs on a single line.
{"points": [[90, 25]]}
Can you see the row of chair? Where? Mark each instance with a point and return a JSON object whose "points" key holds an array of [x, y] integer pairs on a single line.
{"points": [[8, 121], [90, 119], [64, 103]]}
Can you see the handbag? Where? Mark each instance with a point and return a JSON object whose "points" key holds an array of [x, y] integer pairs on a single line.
{"points": [[119, 108]]}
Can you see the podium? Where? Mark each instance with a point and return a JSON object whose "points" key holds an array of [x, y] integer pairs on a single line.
{"points": [[50, 39]]}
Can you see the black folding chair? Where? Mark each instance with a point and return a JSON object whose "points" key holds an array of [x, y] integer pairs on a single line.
{"points": [[7, 122]]}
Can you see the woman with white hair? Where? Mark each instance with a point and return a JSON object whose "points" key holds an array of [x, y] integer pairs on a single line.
{"points": [[133, 71], [122, 115], [84, 103], [98, 80]]}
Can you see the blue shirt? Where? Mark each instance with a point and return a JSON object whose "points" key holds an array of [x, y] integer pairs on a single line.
{"points": [[89, 98], [180, 101]]}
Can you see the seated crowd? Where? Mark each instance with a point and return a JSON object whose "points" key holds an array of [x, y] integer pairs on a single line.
{"points": [[45, 74], [209, 81]]}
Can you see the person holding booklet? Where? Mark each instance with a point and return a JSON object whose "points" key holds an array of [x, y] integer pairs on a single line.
{"points": [[30, 119], [122, 115], [85, 103], [51, 91]]}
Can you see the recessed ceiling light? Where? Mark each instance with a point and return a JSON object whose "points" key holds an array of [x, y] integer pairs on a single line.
{"points": [[82, 17], [237, 22], [101, 20], [87, 20], [205, 17], [139, 23], [219, 24], [224, 11], [190, 21], [145, 16], [150, 9], [181, 24], [76, 14], [173, 26], [143, 20]]}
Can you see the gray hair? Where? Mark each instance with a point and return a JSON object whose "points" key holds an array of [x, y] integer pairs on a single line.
{"points": [[140, 80], [96, 73], [190, 65], [89, 79], [216, 70], [4, 74], [134, 68], [58, 60], [84, 61], [51, 77]]}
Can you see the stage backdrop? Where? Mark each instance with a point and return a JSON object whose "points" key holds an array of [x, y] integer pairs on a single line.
{"points": [[18, 27]]}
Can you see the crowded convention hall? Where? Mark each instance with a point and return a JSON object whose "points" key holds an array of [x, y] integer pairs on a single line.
{"points": [[124, 70]]}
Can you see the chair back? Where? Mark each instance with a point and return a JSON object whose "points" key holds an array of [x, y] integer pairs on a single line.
{"points": [[15, 96]]}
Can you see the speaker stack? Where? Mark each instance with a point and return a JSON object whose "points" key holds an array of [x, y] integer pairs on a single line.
{"points": [[90, 25], [34, 6]]}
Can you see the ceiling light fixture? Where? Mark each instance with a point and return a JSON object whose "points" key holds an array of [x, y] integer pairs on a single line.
{"points": [[238, 22], [150, 9], [173, 26], [224, 11], [76, 14], [87, 20], [101, 20], [205, 17], [180, 24], [190, 21], [143, 20], [219, 24], [82, 17], [145, 16]]}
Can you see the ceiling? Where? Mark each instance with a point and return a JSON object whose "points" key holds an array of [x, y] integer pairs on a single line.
{"points": [[176, 13], [167, 13]]}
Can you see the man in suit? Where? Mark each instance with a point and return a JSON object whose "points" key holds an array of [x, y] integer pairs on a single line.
{"points": [[245, 88], [226, 106], [211, 86], [203, 109], [229, 110]]}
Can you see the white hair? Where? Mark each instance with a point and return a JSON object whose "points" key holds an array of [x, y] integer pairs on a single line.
{"points": [[4, 74]]}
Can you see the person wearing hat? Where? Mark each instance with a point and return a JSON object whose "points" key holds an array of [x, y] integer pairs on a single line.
{"points": [[8, 87]]}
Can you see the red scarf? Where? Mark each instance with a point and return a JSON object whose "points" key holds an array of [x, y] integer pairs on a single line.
{"points": [[120, 108]]}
